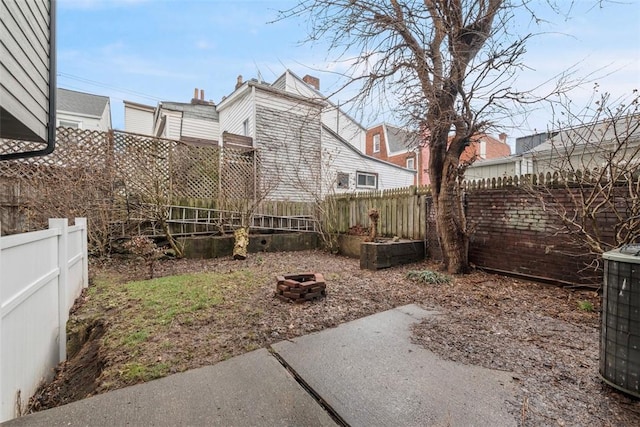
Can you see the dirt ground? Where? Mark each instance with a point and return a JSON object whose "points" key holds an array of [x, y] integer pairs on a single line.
{"points": [[536, 331]]}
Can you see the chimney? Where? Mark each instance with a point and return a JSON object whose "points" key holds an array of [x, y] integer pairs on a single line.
{"points": [[201, 94], [312, 81], [239, 82], [195, 93], [503, 138]]}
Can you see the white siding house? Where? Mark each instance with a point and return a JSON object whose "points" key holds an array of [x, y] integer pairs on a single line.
{"points": [[333, 117], [285, 130], [240, 119], [138, 118], [493, 168], [82, 110], [590, 146], [300, 157], [27, 70], [195, 121], [347, 170]]}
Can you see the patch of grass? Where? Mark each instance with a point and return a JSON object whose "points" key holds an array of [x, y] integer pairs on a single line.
{"points": [[137, 372], [148, 304], [585, 305], [135, 338], [142, 315], [428, 276]]}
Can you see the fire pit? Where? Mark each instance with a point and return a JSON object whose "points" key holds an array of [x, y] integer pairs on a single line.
{"points": [[300, 287]]}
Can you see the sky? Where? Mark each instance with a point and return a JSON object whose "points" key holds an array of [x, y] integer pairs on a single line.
{"points": [[147, 51]]}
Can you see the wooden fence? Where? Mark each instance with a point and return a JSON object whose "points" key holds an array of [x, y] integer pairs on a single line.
{"points": [[41, 275], [403, 211]]}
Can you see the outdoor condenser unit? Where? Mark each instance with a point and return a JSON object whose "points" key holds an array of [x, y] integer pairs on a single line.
{"points": [[620, 333]]}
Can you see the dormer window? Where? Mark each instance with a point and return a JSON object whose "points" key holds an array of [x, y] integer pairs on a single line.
{"points": [[483, 149], [411, 163], [376, 143]]}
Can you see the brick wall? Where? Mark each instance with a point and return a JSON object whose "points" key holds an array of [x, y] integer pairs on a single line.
{"points": [[515, 233], [382, 154]]}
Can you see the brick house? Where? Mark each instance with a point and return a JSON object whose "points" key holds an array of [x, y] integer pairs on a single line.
{"points": [[401, 147], [393, 145], [482, 147]]}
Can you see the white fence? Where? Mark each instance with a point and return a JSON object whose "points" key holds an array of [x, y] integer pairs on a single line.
{"points": [[41, 274]]}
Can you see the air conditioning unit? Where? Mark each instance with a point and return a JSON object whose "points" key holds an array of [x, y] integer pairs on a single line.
{"points": [[620, 333]]}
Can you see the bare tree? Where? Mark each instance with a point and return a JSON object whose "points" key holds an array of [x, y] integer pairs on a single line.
{"points": [[449, 62], [587, 175]]}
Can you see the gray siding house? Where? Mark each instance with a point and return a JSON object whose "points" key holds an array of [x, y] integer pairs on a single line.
{"points": [[302, 157], [27, 67]]}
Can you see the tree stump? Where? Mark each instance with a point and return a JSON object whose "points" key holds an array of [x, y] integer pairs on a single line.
{"points": [[241, 236], [374, 215]]}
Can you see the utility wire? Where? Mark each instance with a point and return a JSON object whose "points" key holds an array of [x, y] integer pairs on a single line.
{"points": [[107, 86]]}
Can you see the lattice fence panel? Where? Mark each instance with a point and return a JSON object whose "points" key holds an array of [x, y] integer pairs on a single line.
{"points": [[238, 174], [142, 166], [73, 181], [195, 172], [109, 177]]}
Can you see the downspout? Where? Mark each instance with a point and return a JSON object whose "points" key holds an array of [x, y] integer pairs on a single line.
{"points": [[51, 126]]}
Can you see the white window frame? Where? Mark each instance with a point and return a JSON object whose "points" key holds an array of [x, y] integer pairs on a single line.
{"points": [[376, 143], [67, 123], [373, 186], [245, 128], [411, 163], [483, 149]]}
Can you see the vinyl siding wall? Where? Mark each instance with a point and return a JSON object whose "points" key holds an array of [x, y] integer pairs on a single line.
{"points": [[344, 126], [24, 87], [232, 116], [173, 126], [202, 129], [332, 117], [480, 171], [92, 123], [340, 158], [288, 136], [84, 122], [138, 121]]}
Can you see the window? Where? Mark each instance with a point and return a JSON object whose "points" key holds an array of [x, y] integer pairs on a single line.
{"points": [[483, 149], [376, 143], [245, 127], [366, 180], [343, 180], [411, 163], [69, 124]]}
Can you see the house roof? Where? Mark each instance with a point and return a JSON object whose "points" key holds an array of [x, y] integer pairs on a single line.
{"points": [[497, 161], [247, 85], [193, 111], [360, 153], [323, 97], [592, 134], [139, 106], [81, 103], [399, 140]]}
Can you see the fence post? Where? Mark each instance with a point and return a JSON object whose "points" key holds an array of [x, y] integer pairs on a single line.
{"points": [[63, 278], [85, 250]]}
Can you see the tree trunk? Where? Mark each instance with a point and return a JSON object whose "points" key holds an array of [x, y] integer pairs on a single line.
{"points": [[241, 236], [450, 222]]}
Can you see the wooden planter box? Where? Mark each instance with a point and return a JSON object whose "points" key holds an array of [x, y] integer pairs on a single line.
{"points": [[374, 255]]}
